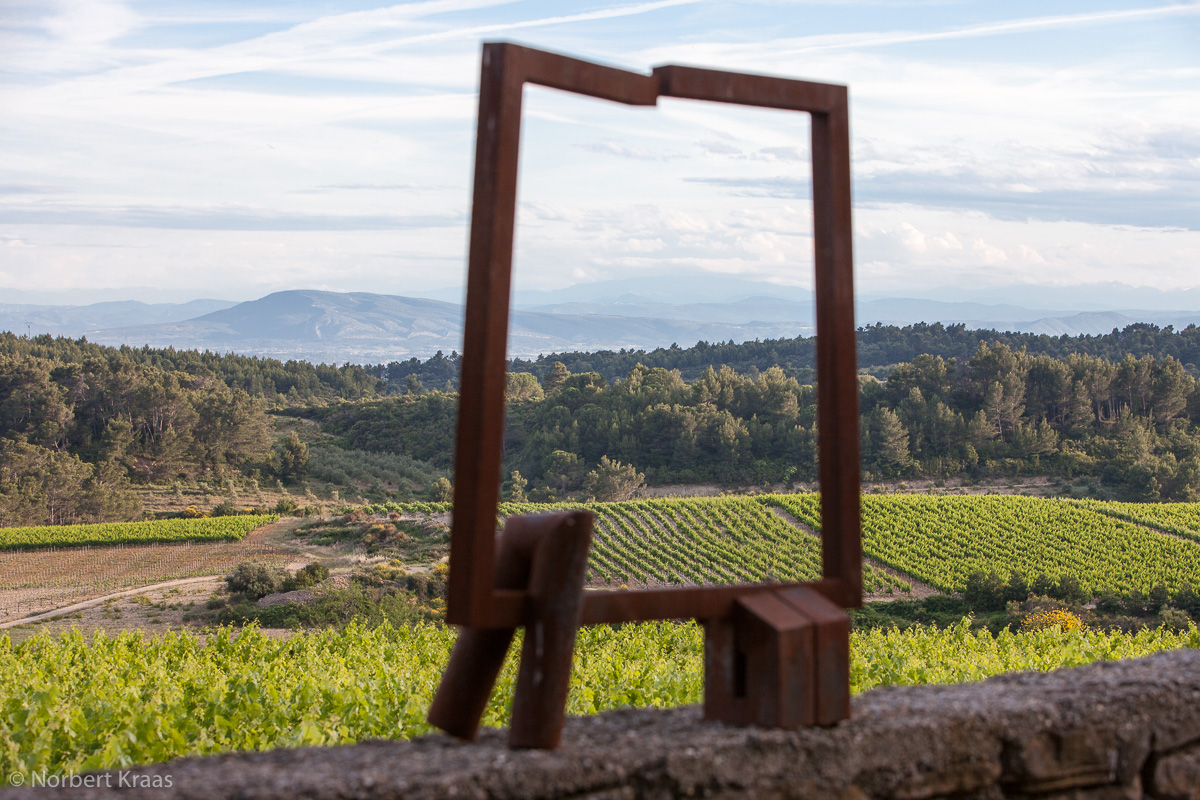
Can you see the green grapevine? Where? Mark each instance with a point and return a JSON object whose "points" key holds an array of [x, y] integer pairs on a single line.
{"points": [[941, 540], [161, 530], [73, 703]]}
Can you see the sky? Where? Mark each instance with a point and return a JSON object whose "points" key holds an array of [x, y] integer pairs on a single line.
{"points": [[229, 148]]}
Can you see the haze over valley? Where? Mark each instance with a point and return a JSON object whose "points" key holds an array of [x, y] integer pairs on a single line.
{"points": [[362, 327]]}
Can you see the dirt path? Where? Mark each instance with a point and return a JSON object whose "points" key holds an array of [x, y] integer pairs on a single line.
{"points": [[58, 612], [920, 590], [275, 537]]}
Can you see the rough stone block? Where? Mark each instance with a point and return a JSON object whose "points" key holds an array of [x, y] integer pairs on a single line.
{"points": [[1177, 776], [1053, 760]]}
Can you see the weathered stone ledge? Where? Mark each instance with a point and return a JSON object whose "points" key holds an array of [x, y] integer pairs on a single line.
{"points": [[1128, 729]]}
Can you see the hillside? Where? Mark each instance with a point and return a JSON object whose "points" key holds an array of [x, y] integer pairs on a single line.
{"points": [[362, 327]]}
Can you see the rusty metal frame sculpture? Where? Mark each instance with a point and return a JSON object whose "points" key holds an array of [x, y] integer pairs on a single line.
{"points": [[775, 654]]}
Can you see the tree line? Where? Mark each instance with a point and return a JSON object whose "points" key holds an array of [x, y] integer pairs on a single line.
{"points": [[267, 378], [80, 423], [879, 348], [1132, 423]]}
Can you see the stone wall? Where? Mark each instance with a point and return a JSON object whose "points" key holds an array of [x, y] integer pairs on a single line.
{"points": [[1111, 730]]}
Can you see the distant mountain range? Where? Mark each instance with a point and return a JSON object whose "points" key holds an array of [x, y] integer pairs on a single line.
{"points": [[362, 327], [77, 320]]}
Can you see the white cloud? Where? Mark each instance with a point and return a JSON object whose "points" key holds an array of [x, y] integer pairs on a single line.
{"points": [[1078, 161], [89, 21], [1013, 252]]}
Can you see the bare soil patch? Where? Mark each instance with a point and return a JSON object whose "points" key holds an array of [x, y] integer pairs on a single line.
{"points": [[37, 581], [152, 612], [684, 490]]}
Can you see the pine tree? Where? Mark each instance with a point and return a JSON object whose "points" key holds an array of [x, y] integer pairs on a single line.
{"points": [[292, 456], [892, 456]]}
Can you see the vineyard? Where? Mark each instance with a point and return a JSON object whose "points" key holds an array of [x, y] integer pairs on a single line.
{"points": [[942, 540], [1181, 519], [110, 533], [937, 540], [40, 580], [728, 540], [74, 703], [690, 542]]}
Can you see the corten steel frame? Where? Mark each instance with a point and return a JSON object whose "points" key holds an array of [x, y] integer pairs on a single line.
{"points": [[476, 598]]}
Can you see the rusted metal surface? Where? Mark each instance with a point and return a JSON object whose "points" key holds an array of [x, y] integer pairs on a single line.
{"points": [[555, 598], [478, 653], [790, 630], [780, 659], [831, 653], [758, 665], [541, 560]]}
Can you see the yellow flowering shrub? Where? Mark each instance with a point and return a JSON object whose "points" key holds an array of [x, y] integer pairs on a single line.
{"points": [[1052, 618], [393, 570]]}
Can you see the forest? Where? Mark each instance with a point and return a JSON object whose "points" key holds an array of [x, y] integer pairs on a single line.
{"points": [[1129, 422], [83, 426], [80, 424]]}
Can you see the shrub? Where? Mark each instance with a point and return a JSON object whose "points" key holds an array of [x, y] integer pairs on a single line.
{"points": [[225, 508], [1134, 604], [254, 579], [382, 532], [1188, 599], [1042, 585], [984, 592], [1174, 620], [309, 575], [1016, 588], [1108, 603], [338, 608], [1069, 590], [1052, 618], [1157, 599], [393, 570], [441, 490]]}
